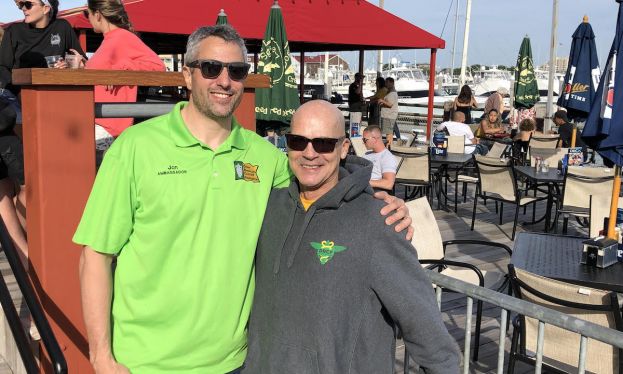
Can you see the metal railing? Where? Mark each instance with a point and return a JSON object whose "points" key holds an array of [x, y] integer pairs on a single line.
{"points": [[57, 359], [586, 330]]}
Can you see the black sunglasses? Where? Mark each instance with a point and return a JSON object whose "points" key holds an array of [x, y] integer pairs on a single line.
{"points": [[211, 69], [25, 4], [85, 13], [321, 145]]}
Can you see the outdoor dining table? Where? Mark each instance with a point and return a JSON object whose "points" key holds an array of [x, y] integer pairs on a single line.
{"points": [[558, 257], [552, 179], [443, 162]]}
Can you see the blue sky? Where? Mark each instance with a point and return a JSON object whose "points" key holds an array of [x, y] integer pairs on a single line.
{"points": [[497, 27]]}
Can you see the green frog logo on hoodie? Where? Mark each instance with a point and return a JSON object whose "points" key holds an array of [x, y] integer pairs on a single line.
{"points": [[326, 249]]}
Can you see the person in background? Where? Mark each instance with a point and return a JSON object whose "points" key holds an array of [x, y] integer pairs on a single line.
{"points": [[384, 164], [492, 124], [565, 131], [272, 135], [375, 110], [464, 103], [491, 127], [457, 127], [496, 100], [355, 94], [334, 284], [527, 128], [25, 45], [389, 111], [121, 49]]}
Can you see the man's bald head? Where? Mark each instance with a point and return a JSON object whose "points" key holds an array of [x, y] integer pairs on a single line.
{"points": [[329, 117], [317, 170], [458, 117]]}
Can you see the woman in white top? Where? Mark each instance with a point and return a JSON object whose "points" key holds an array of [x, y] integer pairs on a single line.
{"points": [[389, 111]]}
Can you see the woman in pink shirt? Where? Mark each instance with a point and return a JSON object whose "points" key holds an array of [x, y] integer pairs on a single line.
{"points": [[120, 50]]}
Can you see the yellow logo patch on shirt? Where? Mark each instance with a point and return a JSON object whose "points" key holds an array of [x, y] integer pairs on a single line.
{"points": [[245, 171]]}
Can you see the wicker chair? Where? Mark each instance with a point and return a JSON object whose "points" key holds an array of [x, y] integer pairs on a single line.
{"points": [[561, 347], [431, 252], [580, 184], [413, 169], [497, 181]]}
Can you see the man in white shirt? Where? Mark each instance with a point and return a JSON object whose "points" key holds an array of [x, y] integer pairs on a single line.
{"points": [[384, 163], [457, 127]]}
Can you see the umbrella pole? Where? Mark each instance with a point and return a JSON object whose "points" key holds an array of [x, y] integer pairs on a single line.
{"points": [[614, 204]]}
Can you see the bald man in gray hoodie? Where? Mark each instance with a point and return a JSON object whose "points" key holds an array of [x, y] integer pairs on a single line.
{"points": [[334, 284]]}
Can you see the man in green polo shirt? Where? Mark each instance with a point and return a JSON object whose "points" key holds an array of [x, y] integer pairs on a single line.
{"points": [[179, 200]]}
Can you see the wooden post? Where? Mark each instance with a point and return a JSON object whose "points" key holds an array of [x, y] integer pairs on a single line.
{"points": [[59, 155], [431, 92], [614, 203]]}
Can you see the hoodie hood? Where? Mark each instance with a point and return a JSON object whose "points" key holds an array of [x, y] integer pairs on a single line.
{"points": [[353, 180]]}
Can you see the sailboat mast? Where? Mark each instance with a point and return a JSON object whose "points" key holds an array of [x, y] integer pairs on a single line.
{"points": [[456, 27], [379, 56], [552, 70], [468, 12]]}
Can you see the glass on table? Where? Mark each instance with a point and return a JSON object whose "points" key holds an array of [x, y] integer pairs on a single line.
{"points": [[544, 166], [73, 61], [52, 60]]}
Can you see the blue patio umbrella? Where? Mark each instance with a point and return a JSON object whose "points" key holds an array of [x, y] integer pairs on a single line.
{"points": [[583, 73], [603, 130]]}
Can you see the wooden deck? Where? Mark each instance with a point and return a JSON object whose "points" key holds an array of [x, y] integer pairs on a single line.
{"points": [[457, 226]]}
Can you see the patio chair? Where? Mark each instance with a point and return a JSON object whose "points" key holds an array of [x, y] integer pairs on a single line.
{"points": [[498, 150], [431, 254], [580, 184], [600, 209], [456, 144], [544, 141], [497, 181], [413, 169], [561, 347], [358, 146]]}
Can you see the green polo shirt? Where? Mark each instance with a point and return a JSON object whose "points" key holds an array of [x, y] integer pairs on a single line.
{"points": [[184, 221]]}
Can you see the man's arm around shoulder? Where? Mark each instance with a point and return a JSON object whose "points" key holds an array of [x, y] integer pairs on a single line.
{"points": [[96, 291]]}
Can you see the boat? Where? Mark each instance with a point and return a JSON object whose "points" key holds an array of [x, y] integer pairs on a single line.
{"points": [[409, 81], [542, 80], [488, 80]]}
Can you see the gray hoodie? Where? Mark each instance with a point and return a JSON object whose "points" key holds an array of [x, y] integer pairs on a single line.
{"points": [[334, 284]]}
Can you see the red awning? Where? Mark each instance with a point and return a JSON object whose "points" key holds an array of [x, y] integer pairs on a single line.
{"points": [[311, 25]]}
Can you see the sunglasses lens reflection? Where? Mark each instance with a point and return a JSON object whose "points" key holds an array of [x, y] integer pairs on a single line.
{"points": [[320, 145], [211, 69]]}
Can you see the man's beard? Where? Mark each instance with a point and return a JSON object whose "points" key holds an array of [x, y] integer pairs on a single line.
{"points": [[209, 109]]}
